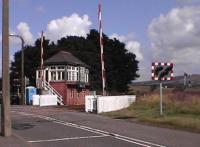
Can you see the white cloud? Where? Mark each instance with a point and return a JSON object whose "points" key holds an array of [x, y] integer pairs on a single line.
{"points": [[15, 43], [135, 47], [175, 38], [131, 45], [24, 30], [73, 25], [119, 37]]}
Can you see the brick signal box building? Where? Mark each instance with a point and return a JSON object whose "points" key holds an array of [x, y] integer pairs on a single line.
{"points": [[67, 75]]}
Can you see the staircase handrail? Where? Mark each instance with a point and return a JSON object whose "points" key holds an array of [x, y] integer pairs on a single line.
{"points": [[53, 91]]}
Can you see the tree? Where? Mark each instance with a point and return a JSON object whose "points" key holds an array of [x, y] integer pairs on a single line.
{"points": [[15, 76], [31, 59], [120, 65]]}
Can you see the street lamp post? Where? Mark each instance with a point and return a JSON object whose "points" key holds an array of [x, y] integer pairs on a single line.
{"points": [[22, 69]]}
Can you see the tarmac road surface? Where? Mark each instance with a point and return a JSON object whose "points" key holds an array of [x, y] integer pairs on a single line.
{"points": [[62, 127]]}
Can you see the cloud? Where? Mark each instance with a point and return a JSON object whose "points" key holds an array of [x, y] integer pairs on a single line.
{"points": [[119, 37], [24, 30], [73, 25], [135, 47], [132, 45], [175, 38]]}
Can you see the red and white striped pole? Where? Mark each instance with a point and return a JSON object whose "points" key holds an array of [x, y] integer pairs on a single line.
{"points": [[42, 62], [102, 55]]}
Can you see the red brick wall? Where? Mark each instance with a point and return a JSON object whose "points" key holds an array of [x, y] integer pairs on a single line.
{"points": [[59, 87], [75, 96], [71, 95]]}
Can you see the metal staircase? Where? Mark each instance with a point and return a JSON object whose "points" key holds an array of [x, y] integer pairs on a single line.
{"points": [[47, 86]]}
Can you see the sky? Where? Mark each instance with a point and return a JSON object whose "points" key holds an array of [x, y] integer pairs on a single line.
{"points": [[154, 30]]}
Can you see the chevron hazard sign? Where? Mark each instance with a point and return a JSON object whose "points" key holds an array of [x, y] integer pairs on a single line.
{"points": [[162, 71]]}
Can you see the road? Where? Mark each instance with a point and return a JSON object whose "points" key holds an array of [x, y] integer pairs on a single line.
{"points": [[62, 127]]}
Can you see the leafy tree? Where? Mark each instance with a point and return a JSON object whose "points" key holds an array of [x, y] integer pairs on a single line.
{"points": [[120, 65]]}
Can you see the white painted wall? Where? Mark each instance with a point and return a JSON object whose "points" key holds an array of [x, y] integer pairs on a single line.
{"points": [[108, 103], [48, 100], [113, 103], [36, 99]]}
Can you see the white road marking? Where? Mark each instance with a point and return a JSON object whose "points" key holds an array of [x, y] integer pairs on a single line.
{"points": [[97, 131], [70, 138], [132, 142]]}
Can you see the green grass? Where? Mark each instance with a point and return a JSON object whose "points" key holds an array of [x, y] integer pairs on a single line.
{"points": [[178, 112]]}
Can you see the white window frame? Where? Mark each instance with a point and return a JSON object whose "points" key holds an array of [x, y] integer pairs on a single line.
{"points": [[57, 73], [72, 73]]}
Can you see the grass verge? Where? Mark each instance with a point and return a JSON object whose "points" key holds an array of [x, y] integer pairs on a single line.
{"points": [[180, 112]]}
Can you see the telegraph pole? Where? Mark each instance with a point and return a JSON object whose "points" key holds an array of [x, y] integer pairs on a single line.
{"points": [[5, 106]]}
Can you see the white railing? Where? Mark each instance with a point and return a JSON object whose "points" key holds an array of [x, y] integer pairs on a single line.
{"points": [[47, 86]]}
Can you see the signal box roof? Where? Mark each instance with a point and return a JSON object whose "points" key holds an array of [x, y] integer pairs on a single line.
{"points": [[64, 58]]}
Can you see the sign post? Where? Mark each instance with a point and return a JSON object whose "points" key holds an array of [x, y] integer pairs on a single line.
{"points": [[162, 72], [161, 103]]}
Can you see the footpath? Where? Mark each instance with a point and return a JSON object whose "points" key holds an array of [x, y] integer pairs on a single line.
{"points": [[13, 141]]}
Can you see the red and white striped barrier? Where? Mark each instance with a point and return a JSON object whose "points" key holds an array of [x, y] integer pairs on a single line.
{"points": [[102, 55]]}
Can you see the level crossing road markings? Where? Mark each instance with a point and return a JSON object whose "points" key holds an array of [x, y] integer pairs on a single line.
{"points": [[70, 138], [89, 129], [38, 110]]}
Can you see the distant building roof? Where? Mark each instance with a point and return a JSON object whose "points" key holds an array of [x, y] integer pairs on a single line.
{"points": [[64, 58]]}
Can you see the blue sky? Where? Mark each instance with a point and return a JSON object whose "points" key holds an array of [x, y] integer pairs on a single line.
{"points": [[155, 30], [119, 16]]}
